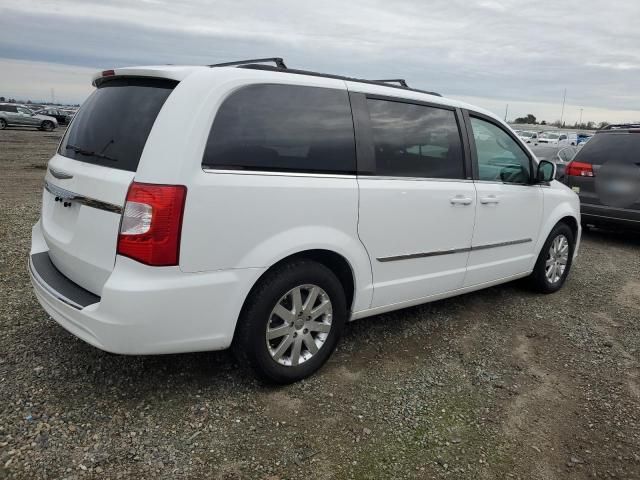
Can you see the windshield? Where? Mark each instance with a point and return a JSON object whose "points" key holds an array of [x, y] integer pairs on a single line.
{"points": [[526, 134], [551, 136], [112, 126]]}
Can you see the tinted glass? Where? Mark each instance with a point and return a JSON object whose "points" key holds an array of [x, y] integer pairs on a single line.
{"points": [[604, 147], [567, 154], [415, 140], [113, 124], [500, 158], [283, 128]]}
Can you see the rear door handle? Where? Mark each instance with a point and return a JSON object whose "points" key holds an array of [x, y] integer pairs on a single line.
{"points": [[489, 199], [460, 200]]}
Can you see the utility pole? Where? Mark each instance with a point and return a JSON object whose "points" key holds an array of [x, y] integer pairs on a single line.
{"points": [[506, 111], [580, 122], [564, 98]]}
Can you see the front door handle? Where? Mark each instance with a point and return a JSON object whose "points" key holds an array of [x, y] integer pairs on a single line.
{"points": [[460, 200], [489, 199]]}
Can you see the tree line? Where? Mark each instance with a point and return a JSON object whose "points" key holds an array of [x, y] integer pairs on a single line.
{"points": [[532, 120]]}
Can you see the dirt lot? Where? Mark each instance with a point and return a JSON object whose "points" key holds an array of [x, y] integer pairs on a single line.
{"points": [[502, 383]]}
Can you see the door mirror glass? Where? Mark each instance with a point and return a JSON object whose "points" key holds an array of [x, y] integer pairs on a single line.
{"points": [[546, 171]]}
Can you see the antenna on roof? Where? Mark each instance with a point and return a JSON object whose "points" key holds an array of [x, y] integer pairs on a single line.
{"points": [[277, 60], [400, 81]]}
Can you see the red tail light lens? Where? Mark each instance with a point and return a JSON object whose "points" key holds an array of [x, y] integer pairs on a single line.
{"points": [[151, 223], [579, 169], [108, 73]]}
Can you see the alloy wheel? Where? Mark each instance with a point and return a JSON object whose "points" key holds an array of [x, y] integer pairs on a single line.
{"points": [[557, 259], [299, 325]]}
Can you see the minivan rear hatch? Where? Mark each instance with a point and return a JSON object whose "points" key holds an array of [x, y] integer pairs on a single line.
{"points": [[87, 180]]}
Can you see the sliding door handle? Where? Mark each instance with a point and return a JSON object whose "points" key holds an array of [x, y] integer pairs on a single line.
{"points": [[460, 200], [489, 200]]}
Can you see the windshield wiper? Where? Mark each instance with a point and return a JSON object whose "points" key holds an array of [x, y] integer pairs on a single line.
{"points": [[89, 153]]}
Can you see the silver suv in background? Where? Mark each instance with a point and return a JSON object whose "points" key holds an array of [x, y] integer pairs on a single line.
{"points": [[19, 116]]}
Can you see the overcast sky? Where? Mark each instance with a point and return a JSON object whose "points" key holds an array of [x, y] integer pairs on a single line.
{"points": [[488, 52]]}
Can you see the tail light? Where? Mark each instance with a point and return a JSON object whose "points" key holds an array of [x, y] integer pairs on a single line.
{"points": [[579, 169], [151, 223]]}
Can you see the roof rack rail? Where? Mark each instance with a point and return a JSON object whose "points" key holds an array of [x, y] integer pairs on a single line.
{"points": [[400, 81], [280, 66], [617, 126], [279, 62]]}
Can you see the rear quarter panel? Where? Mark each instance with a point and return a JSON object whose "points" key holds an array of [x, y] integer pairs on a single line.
{"points": [[237, 220]]}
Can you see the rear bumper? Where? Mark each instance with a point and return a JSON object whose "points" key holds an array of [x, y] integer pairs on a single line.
{"points": [[601, 214], [149, 310]]}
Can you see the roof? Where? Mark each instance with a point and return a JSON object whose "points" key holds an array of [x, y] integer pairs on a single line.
{"points": [[256, 66]]}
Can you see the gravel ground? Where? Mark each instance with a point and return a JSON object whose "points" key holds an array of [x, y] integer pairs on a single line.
{"points": [[501, 383]]}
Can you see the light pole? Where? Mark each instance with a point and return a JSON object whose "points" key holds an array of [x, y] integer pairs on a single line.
{"points": [[580, 122], [564, 97]]}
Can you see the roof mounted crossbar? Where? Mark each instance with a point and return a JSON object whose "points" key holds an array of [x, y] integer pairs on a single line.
{"points": [[400, 81], [279, 62]]}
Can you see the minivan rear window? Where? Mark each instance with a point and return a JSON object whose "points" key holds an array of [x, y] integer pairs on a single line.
{"points": [[619, 147], [288, 128], [113, 124]]}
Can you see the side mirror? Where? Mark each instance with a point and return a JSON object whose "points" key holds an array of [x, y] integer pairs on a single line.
{"points": [[546, 171]]}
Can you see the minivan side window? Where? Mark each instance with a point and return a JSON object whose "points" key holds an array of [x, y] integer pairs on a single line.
{"points": [[415, 140], [500, 158], [291, 128]]}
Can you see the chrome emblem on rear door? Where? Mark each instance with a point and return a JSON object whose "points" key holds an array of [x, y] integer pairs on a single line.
{"points": [[60, 174]]}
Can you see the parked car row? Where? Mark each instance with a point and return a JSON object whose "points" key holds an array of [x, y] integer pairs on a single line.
{"points": [[12, 115], [554, 137], [44, 118]]}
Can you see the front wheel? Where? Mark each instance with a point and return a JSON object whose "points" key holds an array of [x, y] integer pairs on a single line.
{"points": [[47, 126], [3, 124], [554, 262], [291, 322]]}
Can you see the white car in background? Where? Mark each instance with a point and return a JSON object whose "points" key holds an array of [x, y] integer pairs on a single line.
{"points": [[558, 138], [528, 136]]}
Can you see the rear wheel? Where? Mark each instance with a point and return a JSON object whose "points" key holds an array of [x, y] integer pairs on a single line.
{"points": [[554, 261], [47, 126], [3, 124], [292, 321]]}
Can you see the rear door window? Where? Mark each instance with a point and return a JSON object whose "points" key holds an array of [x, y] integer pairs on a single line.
{"points": [[620, 147], [113, 124], [283, 128], [415, 140]]}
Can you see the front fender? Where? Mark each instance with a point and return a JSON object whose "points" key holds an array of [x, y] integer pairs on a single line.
{"points": [[559, 202]]}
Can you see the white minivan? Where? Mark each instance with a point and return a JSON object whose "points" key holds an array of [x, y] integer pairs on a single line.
{"points": [[198, 208]]}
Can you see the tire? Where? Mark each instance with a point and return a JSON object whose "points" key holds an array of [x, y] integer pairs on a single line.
{"points": [[274, 360], [3, 124], [543, 278], [47, 126]]}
